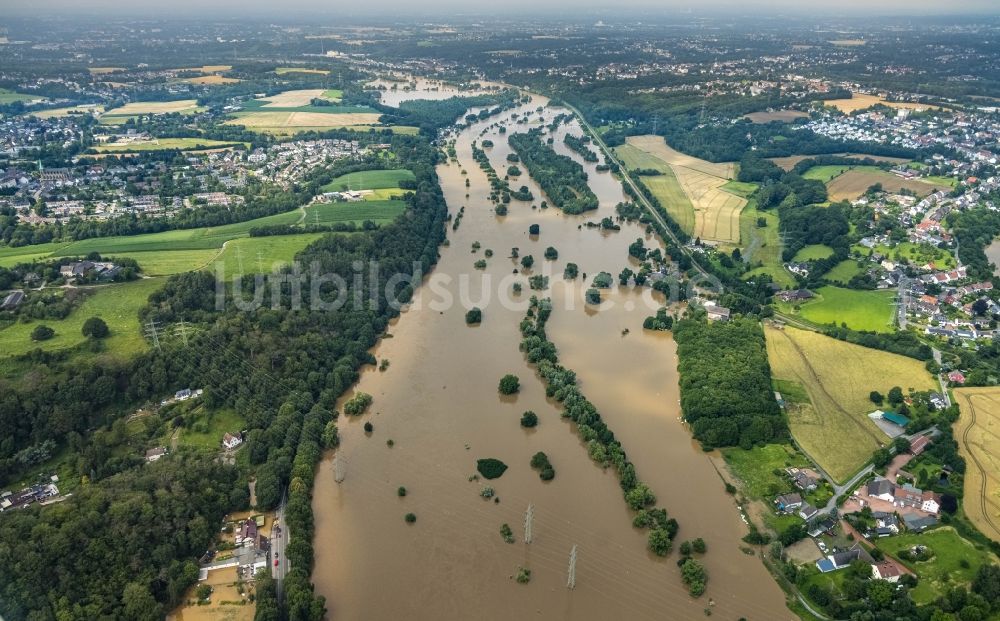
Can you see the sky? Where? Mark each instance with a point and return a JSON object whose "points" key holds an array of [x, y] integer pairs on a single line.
{"points": [[440, 8]]}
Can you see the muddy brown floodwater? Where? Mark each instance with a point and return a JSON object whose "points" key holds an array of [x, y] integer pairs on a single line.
{"points": [[438, 403]]}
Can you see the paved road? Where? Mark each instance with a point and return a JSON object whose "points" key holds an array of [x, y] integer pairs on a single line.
{"points": [[279, 545]]}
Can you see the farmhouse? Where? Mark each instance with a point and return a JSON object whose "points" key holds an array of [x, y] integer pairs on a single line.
{"points": [[882, 489], [12, 300], [795, 295], [886, 570]]}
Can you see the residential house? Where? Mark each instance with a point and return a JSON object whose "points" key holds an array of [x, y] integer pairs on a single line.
{"points": [[919, 444], [930, 502], [886, 570], [788, 502], [886, 524], [882, 489], [807, 511], [231, 441], [956, 377], [155, 454], [796, 295], [717, 313], [804, 478], [908, 496], [12, 300], [917, 523]]}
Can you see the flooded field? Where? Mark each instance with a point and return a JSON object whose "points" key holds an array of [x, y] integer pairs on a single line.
{"points": [[993, 254], [438, 404], [396, 93]]}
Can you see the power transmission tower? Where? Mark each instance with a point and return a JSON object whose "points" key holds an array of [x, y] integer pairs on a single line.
{"points": [[182, 328], [656, 122], [151, 327], [529, 516], [571, 577], [239, 259], [260, 269]]}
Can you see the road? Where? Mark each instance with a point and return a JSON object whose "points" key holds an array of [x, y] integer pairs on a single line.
{"points": [[279, 545]]}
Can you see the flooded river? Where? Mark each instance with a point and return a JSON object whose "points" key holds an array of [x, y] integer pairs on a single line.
{"points": [[439, 405], [993, 254]]}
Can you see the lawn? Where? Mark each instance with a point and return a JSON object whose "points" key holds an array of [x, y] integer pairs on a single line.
{"points": [[756, 468], [762, 245], [209, 427], [118, 305], [369, 180], [915, 253], [946, 568], [844, 271], [166, 144], [941, 180], [378, 211], [813, 252], [859, 309], [833, 427], [825, 173]]}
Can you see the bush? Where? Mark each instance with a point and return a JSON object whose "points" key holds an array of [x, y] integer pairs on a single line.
{"points": [[410, 518], [474, 316], [369, 427], [527, 261], [529, 419], [523, 575], [509, 384], [356, 405], [551, 253], [491, 468], [534, 229], [659, 542], [694, 576], [401, 491], [593, 296], [42, 333], [95, 327], [507, 533], [540, 462]]}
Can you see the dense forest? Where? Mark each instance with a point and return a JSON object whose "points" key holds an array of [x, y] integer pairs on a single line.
{"points": [[725, 383], [561, 178]]}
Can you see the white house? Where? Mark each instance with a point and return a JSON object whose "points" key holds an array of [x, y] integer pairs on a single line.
{"points": [[930, 502], [231, 441], [886, 571]]}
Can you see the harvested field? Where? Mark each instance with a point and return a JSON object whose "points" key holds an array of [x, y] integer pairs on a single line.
{"points": [[784, 116], [834, 427], [293, 99], [165, 144], [212, 79], [226, 604], [856, 181], [284, 70], [860, 101], [57, 113], [155, 107], [104, 70], [978, 435], [716, 211]]}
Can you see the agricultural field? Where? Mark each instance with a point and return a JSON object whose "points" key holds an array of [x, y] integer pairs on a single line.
{"points": [[104, 70], [378, 211], [294, 99], [369, 180], [668, 191], [8, 96], [252, 255], [955, 561], [783, 116], [136, 108], [280, 122], [57, 113], [978, 435], [859, 309], [118, 305], [763, 245], [787, 163], [716, 211], [813, 252], [740, 188], [211, 80], [287, 70], [833, 427], [166, 144], [633, 157], [844, 271], [846, 183], [860, 101]]}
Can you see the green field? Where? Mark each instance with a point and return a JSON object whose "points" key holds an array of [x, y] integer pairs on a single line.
{"points": [[634, 157], [378, 211], [118, 305], [739, 188], [844, 271], [668, 191], [826, 173], [8, 96], [941, 180], [945, 569], [274, 251], [166, 144], [369, 180], [813, 252], [756, 467], [763, 245], [860, 310]]}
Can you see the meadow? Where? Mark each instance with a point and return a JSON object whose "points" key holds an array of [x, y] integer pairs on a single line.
{"points": [[182, 106], [369, 180], [954, 562], [756, 468], [8, 96], [844, 271], [763, 244], [858, 309], [783, 116], [378, 211], [978, 434], [833, 427], [117, 304], [855, 182], [813, 252], [825, 173]]}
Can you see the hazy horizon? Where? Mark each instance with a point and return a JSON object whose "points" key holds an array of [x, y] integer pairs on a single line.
{"points": [[442, 9]]}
